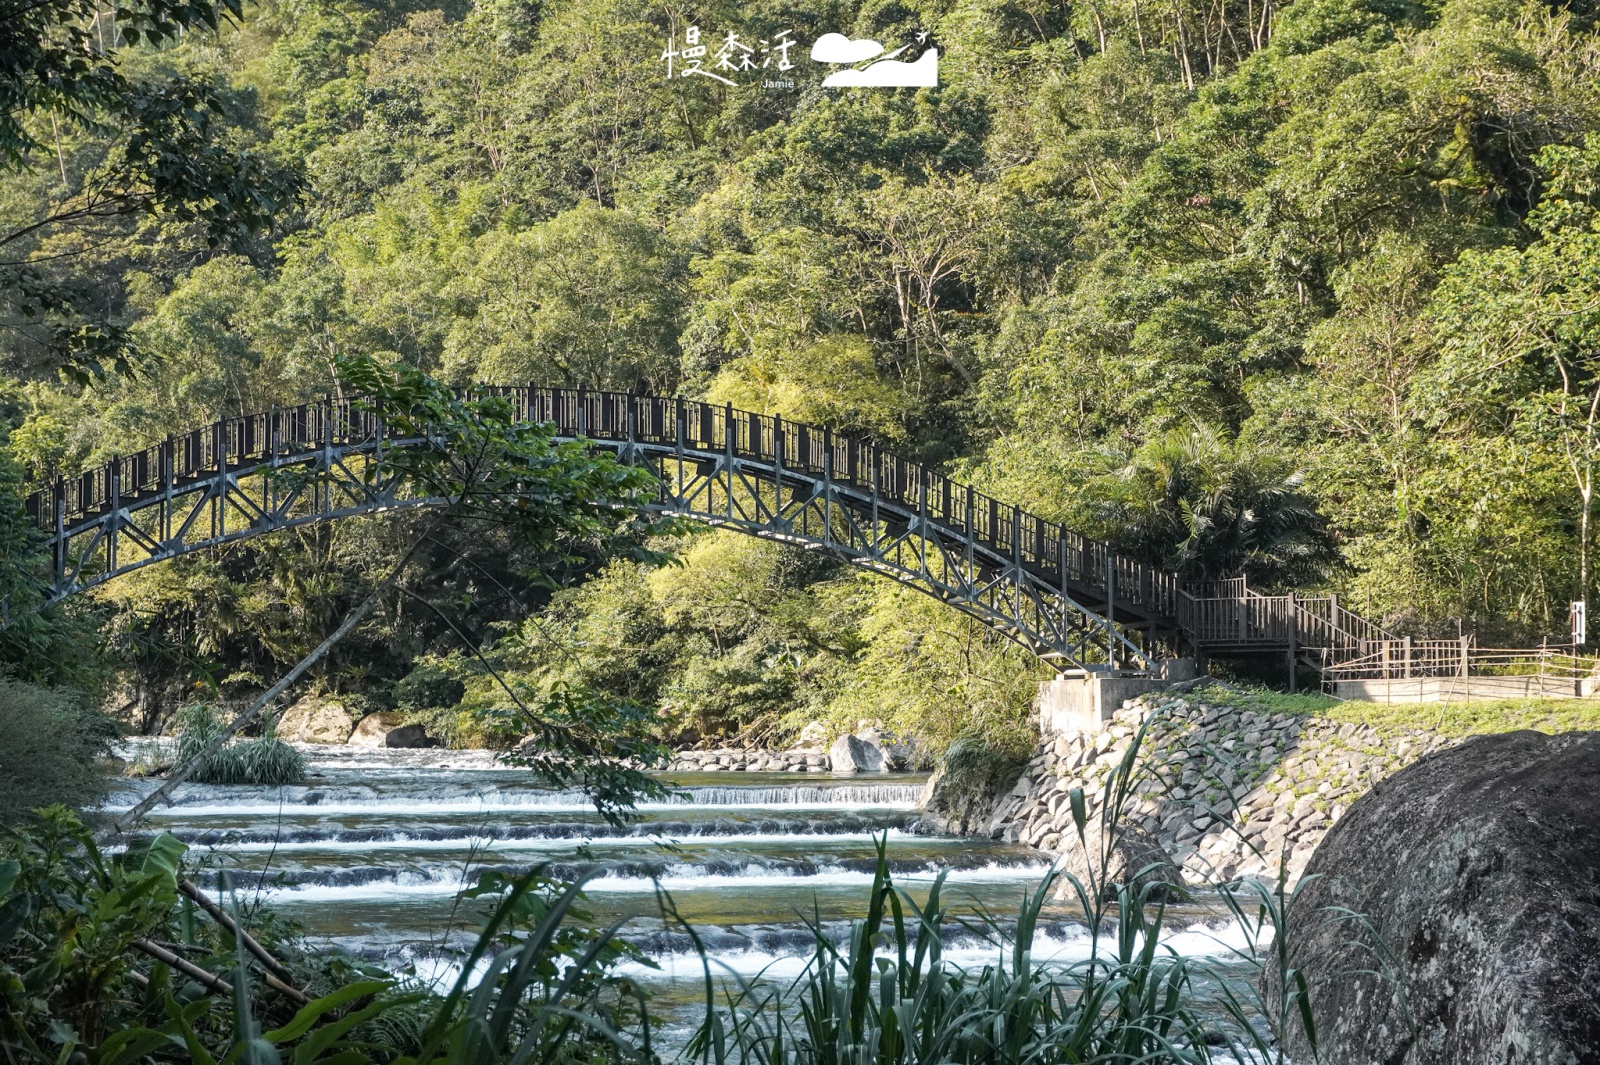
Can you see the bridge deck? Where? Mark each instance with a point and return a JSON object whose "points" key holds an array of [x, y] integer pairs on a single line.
{"points": [[1044, 584]]}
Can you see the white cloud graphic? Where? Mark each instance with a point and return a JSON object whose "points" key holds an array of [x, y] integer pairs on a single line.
{"points": [[837, 48], [922, 74]]}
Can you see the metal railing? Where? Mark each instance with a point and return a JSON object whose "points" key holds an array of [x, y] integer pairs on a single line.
{"points": [[688, 427], [1234, 616], [1407, 659]]}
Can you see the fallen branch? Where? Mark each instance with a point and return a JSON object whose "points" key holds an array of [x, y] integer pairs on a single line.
{"points": [[210, 981], [278, 974]]}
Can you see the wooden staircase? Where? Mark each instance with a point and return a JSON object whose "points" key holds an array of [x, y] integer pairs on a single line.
{"points": [[1227, 619]]}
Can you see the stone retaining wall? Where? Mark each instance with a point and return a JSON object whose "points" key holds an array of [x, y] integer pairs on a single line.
{"points": [[1211, 781], [732, 760]]}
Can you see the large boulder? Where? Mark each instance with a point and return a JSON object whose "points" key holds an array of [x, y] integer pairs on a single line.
{"points": [[317, 719], [1478, 871], [388, 729], [814, 736], [966, 792], [852, 754], [896, 755]]}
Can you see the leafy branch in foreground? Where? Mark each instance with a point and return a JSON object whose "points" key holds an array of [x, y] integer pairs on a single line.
{"points": [[480, 467], [580, 738], [103, 960]]}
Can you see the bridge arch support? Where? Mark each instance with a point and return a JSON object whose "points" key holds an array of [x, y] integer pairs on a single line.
{"points": [[1071, 600]]}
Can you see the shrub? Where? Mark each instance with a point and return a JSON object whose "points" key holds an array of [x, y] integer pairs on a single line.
{"points": [[267, 760], [974, 776], [428, 687], [51, 743], [77, 975]]}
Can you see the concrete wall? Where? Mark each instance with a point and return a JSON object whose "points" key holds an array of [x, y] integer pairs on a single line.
{"points": [[1457, 689], [1076, 705]]}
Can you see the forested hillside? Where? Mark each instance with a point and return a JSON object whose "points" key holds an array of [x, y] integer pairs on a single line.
{"points": [[1309, 292]]}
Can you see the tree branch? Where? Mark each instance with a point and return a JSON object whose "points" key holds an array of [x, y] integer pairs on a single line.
{"points": [[181, 773]]}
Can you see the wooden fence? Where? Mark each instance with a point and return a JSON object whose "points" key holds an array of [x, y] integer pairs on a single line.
{"points": [[1406, 659]]}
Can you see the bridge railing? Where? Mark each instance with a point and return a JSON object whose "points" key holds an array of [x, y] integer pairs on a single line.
{"points": [[1405, 659], [181, 460], [1234, 614], [1044, 548], [1335, 626]]}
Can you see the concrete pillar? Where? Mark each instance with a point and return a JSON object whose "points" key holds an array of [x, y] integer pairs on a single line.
{"points": [[1084, 703]]}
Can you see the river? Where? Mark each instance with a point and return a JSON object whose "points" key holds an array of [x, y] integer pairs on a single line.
{"points": [[369, 855]]}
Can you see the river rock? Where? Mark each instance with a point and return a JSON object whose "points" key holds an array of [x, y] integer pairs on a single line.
{"points": [[814, 736], [896, 755], [852, 754], [317, 719], [1479, 869], [387, 728], [973, 786]]}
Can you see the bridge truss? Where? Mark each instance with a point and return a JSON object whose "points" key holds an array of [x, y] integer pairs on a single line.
{"points": [[1073, 601]]}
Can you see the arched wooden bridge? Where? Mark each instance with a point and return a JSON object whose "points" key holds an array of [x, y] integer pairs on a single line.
{"points": [[1073, 601]]}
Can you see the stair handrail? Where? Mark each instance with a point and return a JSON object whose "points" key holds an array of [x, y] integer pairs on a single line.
{"points": [[1346, 631]]}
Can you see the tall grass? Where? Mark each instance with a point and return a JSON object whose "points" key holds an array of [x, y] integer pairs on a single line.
{"points": [[267, 760], [888, 997], [541, 984]]}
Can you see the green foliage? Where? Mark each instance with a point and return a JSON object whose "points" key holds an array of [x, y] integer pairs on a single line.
{"points": [[266, 760], [486, 463], [579, 738], [1278, 290], [755, 639], [924, 670], [975, 774], [888, 995], [1458, 717], [74, 980], [586, 298], [145, 143], [548, 990], [69, 920], [1206, 509], [51, 748], [51, 645], [1472, 717], [832, 382], [428, 687]]}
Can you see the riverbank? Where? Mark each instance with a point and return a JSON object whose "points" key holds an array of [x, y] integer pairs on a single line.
{"points": [[751, 760], [1236, 784]]}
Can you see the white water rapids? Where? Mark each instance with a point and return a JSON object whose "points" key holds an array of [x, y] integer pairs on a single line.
{"points": [[370, 854]]}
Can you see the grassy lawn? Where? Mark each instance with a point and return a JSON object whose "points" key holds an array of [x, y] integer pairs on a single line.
{"points": [[1451, 719]]}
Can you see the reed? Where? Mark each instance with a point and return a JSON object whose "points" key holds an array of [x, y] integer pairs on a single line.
{"points": [[886, 996], [266, 760]]}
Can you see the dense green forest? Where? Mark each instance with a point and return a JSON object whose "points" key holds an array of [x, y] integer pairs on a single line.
{"points": [[1307, 292]]}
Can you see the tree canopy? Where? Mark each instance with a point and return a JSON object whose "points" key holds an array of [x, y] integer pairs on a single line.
{"points": [[1296, 290]]}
